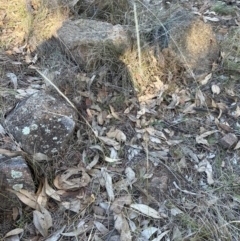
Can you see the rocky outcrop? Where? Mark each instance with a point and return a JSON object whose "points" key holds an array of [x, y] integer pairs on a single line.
{"points": [[41, 123]]}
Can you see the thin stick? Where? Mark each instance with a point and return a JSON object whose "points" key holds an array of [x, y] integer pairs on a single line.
{"points": [[138, 37]]}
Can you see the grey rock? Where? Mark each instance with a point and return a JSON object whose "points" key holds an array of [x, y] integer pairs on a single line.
{"points": [[228, 140], [41, 123], [90, 40], [15, 175]]}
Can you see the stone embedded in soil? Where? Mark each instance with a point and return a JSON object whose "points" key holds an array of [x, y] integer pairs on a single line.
{"points": [[228, 140], [14, 174], [41, 123], [90, 40]]}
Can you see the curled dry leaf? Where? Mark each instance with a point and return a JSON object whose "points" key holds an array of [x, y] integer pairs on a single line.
{"points": [[117, 134], [119, 203], [237, 146], [13, 232], [189, 109], [108, 184], [66, 182], [74, 205], [51, 192], [200, 138], [93, 162], [130, 174], [148, 232], [10, 153], [205, 166], [114, 114], [174, 102], [237, 111], [103, 230], [215, 89], [205, 79], [42, 197], [28, 198], [111, 160], [12, 238], [110, 142], [122, 227], [199, 98], [42, 221], [146, 210]]}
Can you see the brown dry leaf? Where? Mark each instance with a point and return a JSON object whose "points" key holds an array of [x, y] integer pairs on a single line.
{"points": [[93, 162], [15, 213], [215, 89], [148, 232], [146, 210], [66, 182], [10, 153], [154, 139], [174, 142], [119, 203], [212, 19], [12, 238], [51, 192], [205, 166], [237, 146], [204, 80], [28, 198], [42, 221], [127, 111], [188, 152], [199, 98], [230, 91], [110, 142], [131, 176], [13, 232], [40, 157], [100, 118], [189, 109], [100, 227], [159, 237], [111, 160], [117, 134], [177, 235], [122, 227], [42, 198], [153, 132], [97, 147], [174, 102], [74, 205], [142, 111], [237, 112], [108, 184], [122, 185], [200, 138], [114, 114]]}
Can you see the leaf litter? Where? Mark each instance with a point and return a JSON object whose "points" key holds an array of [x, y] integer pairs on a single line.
{"points": [[163, 127]]}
